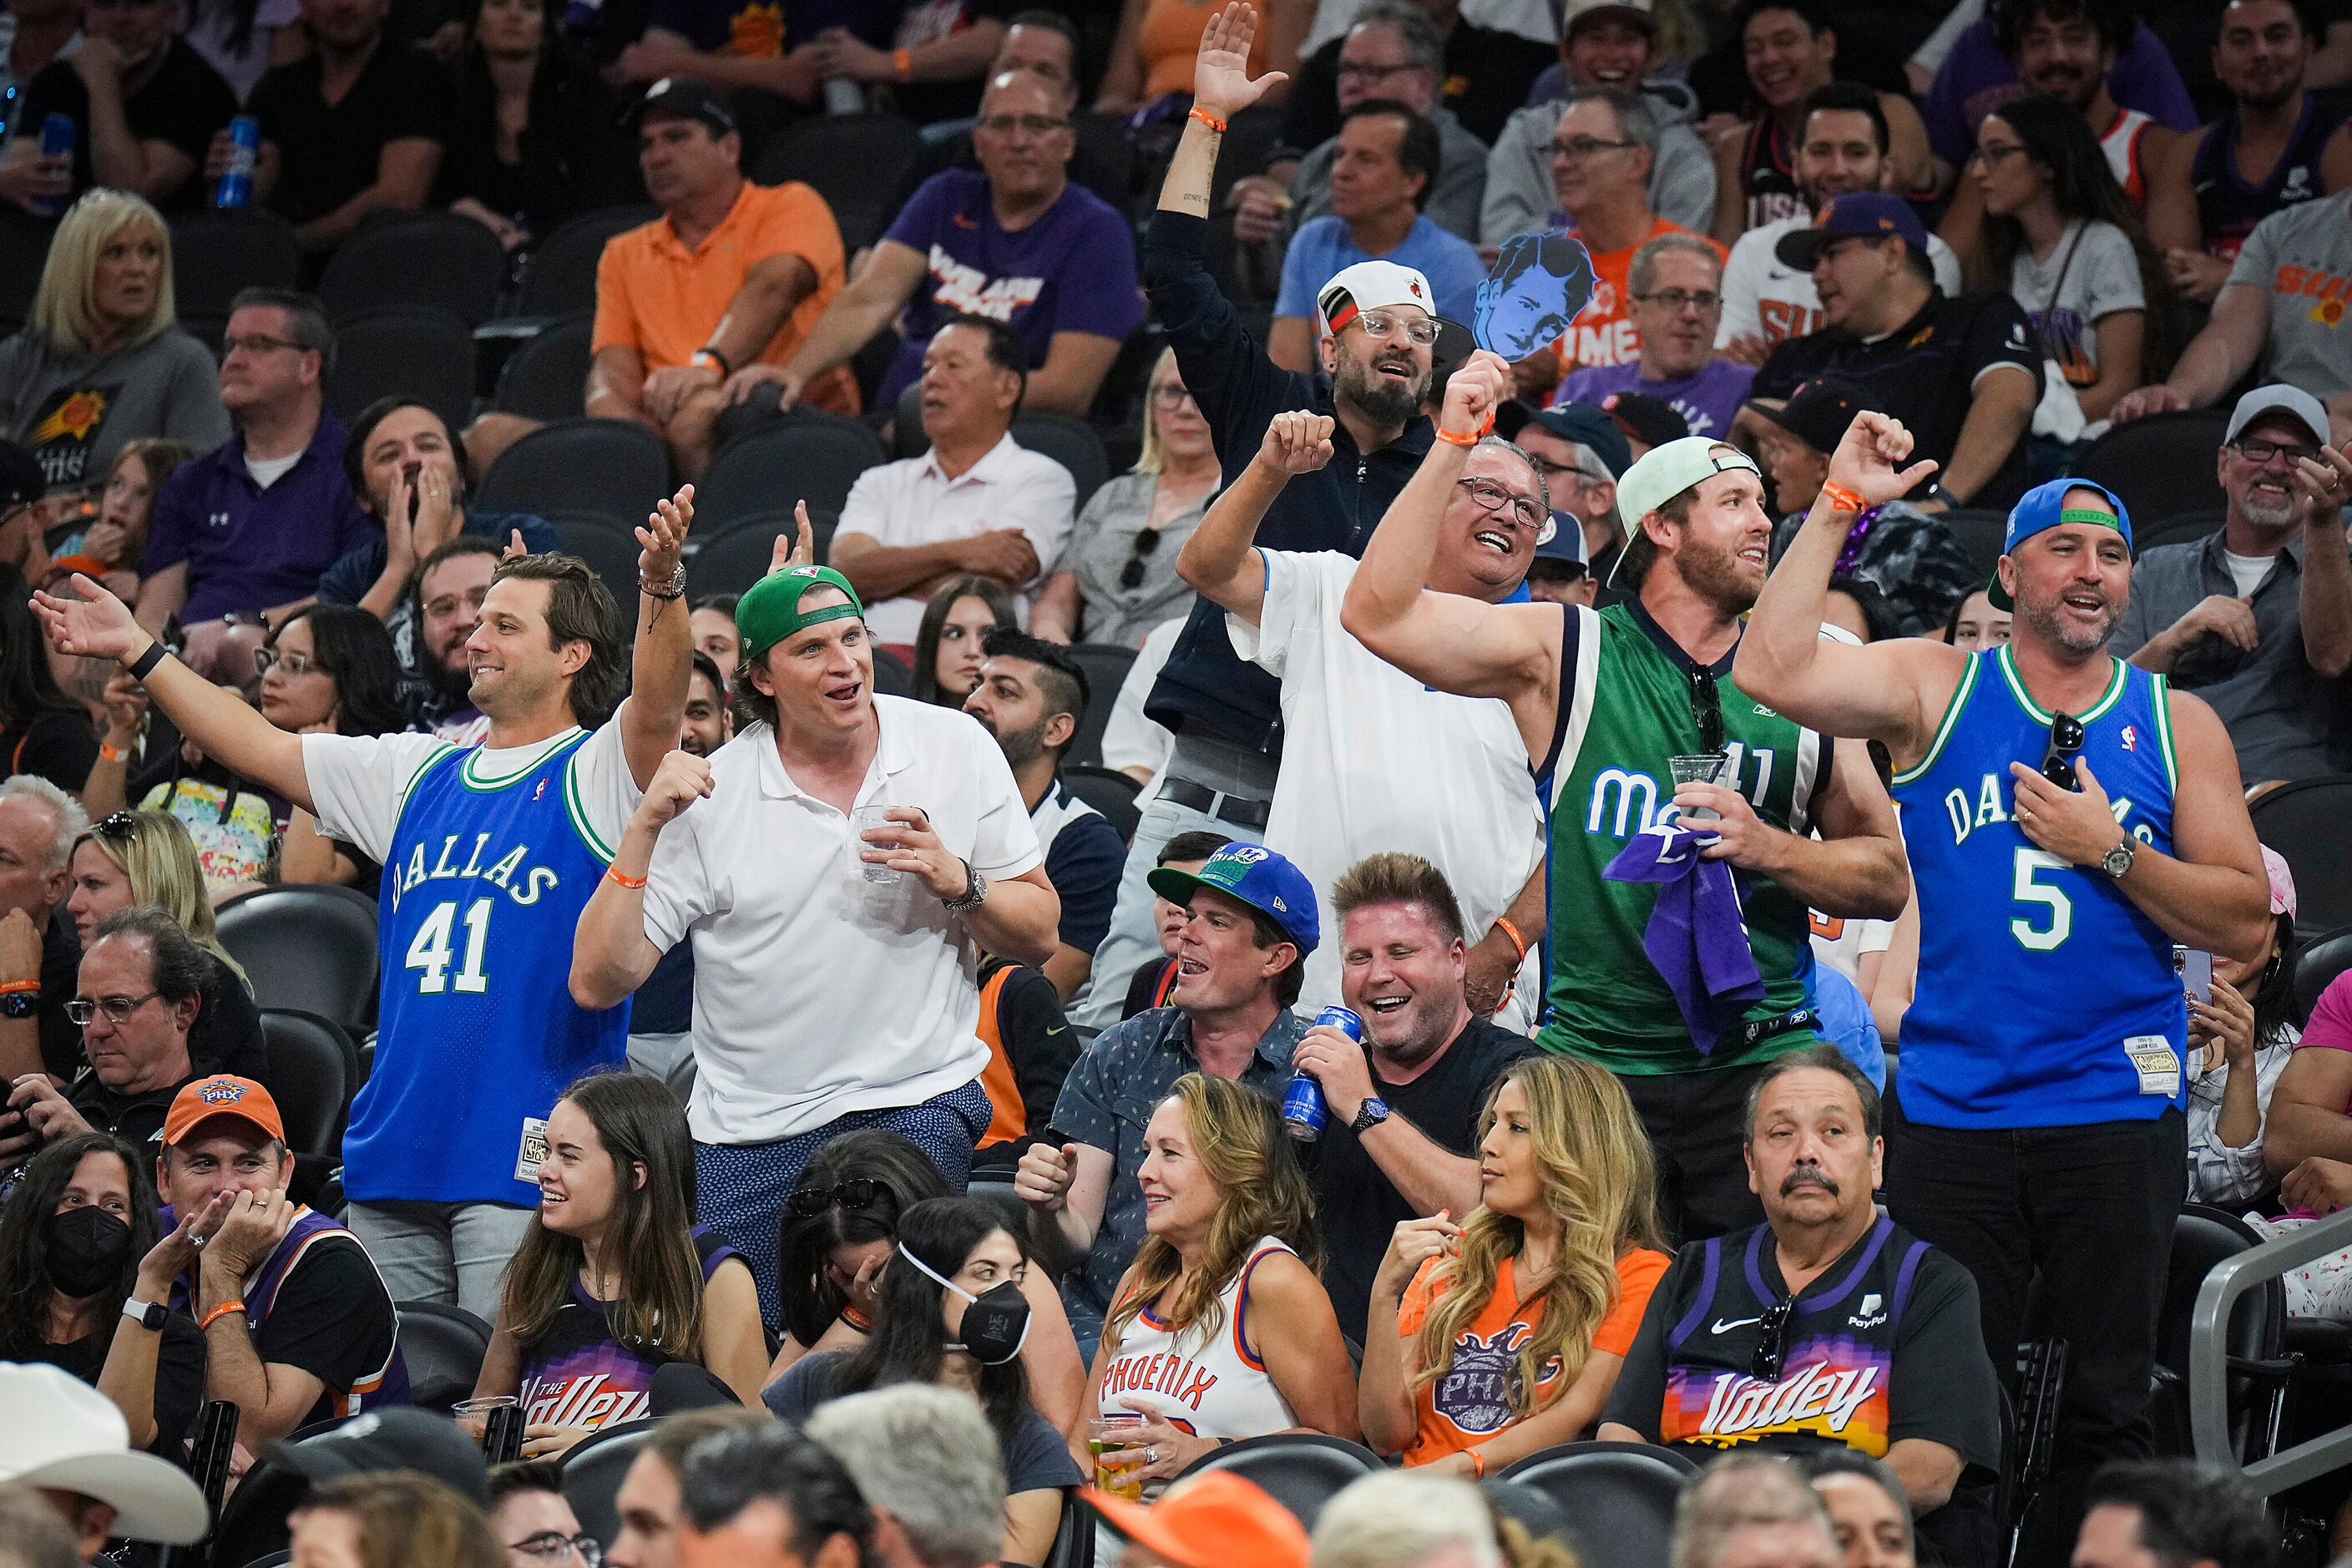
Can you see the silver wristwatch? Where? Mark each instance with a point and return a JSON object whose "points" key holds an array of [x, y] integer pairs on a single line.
{"points": [[975, 893], [2118, 860]]}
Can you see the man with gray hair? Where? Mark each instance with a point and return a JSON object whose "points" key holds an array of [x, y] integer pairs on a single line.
{"points": [[927, 1461], [1391, 52], [1604, 44], [1676, 303], [1407, 1518], [1752, 1510], [39, 823]]}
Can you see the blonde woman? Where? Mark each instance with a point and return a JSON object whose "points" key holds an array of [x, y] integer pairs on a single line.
{"points": [[1220, 1330], [102, 360], [147, 858], [1117, 578], [1511, 1326]]}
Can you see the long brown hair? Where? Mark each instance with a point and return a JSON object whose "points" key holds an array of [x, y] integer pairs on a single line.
{"points": [[1239, 1139], [1598, 1181], [648, 1240], [408, 1520]]}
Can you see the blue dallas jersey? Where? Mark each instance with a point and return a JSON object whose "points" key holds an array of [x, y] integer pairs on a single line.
{"points": [[2045, 997], [477, 1033]]}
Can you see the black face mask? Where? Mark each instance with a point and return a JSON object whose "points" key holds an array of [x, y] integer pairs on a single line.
{"points": [[86, 1250], [995, 1321]]}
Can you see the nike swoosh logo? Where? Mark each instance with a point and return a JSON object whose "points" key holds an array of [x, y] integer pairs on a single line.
{"points": [[1063, 1030], [1724, 1326]]}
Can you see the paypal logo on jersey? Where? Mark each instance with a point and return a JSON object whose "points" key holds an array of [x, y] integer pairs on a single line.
{"points": [[506, 872]]}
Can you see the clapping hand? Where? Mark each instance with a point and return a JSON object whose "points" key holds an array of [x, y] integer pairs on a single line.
{"points": [[797, 548]]}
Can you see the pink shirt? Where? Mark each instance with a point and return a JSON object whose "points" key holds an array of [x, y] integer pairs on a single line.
{"points": [[2331, 1017]]}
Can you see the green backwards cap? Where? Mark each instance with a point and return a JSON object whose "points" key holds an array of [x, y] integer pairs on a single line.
{"points": [[770, 611]]}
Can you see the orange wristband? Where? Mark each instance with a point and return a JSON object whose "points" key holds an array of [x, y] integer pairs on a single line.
{"points": [[1451, 439], [1477, 1463], [1209, 119], [108, 753], [217, 1313], [1503, 924], [632, 883], [903, 62], [1842, 499], [18, 987]]}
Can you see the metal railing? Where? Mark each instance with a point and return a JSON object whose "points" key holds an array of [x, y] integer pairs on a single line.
{"points": [[2209, 1359]]}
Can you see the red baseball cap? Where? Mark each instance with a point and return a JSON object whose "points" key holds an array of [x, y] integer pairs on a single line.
{"points": [[222, 1094], [1211, 1521]]}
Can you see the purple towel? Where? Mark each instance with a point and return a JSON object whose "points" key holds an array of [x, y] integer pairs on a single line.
{"points": [[1696, 936]]}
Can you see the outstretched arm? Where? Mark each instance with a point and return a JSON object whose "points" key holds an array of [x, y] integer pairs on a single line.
{"points": [[1222, 89], [1784, 661], [611, 956], [221, 723], [1217, 560], [1450, 642], [664, 658]]}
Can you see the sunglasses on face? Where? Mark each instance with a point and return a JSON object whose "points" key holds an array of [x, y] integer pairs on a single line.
{"points": [[862, 1192]]}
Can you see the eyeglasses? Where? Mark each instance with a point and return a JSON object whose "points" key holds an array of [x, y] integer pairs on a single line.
{"points": [[255, 343], [1494, 498], [1034, 124], [1147, 541], [1170, 396], [2259, 452], [549, 1546], [1986, 157], [1706, 707], [118, 1009], [1676, 301], [1576, 149], [116, 824], [1765, 1365], [2058, 756], [859, 1193], [1372, 73], [295, 663], [1381, 326]]}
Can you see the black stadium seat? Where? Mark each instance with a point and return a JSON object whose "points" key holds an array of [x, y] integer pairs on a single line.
{"points": [[2304, 821], [2319, 963], [579, 465], [314, 1071], [593, 1472], [1105, 665], [2189, 527], [805, 456], [2161, 466], [1069, 442], [439, 260], [2202, 1237], [443, 1347], [547, 377], [559, 277], [739, 554], [24, 249], [1979, 532], [1108, 791], [1302, 1472], [855, 162], [216, 252], [609, 546], [1619, 1496], [307, 949], [425, 354]]}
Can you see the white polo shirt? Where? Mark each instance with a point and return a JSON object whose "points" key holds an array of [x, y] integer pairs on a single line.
{"points": [[1373, 760], [815, 992], [913, 502]]}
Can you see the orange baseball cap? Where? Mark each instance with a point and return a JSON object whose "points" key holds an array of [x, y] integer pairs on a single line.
{"points": [[221, 1095], [1210, 1522]]}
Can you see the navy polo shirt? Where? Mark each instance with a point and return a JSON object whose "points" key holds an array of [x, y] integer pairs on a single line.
{"points": [[247, 548]]}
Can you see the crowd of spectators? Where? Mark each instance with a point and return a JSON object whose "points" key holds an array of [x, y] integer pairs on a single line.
{"points": [[1750, 868]]}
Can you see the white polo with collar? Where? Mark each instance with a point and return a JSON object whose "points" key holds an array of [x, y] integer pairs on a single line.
{"points": [[816, 993], [913, 502]]}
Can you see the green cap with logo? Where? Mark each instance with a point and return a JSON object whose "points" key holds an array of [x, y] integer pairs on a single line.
{"points": [[770, 610]]}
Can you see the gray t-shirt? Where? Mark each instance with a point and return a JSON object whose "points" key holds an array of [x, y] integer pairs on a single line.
{"points": [[2301, 258], [2091, 273], [1103, 543], [75, 412]]}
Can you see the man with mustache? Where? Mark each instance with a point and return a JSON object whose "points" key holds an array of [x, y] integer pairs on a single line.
{"points": [[2256, 619], [1826, 1325], [2068, 819]]}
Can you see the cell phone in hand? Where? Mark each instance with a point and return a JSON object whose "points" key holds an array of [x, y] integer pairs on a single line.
{"points": [[2197, 974]]}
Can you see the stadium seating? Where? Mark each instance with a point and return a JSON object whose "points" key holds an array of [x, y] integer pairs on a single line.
{"points": [[413, 351], [593, 1473], [559, 276], [2304, 822], [439, 260], [1979, 532], [2189, 527], [24, 249], [1301, 1472], [609, 545], [855, 162], [2319, 963], [443, 1346], [739, 554], [1069, 442], [306, 949], [1108, 791], [1619, 1496], [1105, 665], [577, 464], [547, 377], [314, 1073], [2202, 1236], [2161, 466], [217, 252], [806, 456]]}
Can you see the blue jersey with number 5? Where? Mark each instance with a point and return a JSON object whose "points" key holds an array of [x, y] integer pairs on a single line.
{"points": [[2045, 997], [476, 1033]]}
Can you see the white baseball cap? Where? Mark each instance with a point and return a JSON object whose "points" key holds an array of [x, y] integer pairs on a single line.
{"points": [[1371, 286], [1665, 471], [1579, 11], [67, 1434]]}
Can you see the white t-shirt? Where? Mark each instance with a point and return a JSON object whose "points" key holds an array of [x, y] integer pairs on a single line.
{"points": [[817, 993], [913, 502], [359, 782], [2248, 571], [1763, 299], [1841, 943], [267, 471], [1373, 760], [1132, 739], [2089, 274]]}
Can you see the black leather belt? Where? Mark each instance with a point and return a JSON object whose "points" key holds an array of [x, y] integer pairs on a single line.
{"points": [[1233, 808]]}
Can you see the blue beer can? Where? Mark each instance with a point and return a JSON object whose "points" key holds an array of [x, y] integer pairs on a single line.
{"points": [[57, 133], [235, 188], [1304, 1109]]}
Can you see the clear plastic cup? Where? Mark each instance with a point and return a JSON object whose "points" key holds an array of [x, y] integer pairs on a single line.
{"points": [[862, 819], [1699, 767], [1119, 1464]]}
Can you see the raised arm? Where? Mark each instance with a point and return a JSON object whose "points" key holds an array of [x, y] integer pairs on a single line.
{"points": [[1218, 560], [222, 725], [1222, 89], [611, 955], [1784, 661], [662, 659], [1447, 641]]}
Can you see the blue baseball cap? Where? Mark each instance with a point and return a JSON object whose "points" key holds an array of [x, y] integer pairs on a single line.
{"points": [[1563, 538], [1256, 875], [2040, 509], [1874, 214]]}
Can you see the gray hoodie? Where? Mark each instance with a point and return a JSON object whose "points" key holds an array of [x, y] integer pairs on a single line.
{"points": [[1519, 195]]}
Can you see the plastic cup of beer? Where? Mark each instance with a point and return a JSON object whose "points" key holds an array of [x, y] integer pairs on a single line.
{"points": [[1699, 767], [1119, 1463]]}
